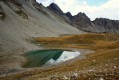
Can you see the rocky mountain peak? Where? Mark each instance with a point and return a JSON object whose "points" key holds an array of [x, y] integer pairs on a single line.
{"points": [[55, 8], [81, 14], [68, 14], [101, 21], [106, 23], [81, 20]]}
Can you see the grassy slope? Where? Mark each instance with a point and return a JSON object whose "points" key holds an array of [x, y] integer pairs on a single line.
{"points": [[102, 63]]}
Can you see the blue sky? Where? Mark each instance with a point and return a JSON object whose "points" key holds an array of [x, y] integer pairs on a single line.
{"points": [[95, 2], [93, 8]]}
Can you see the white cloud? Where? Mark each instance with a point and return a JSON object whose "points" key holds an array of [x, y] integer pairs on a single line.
{"points": [[109, 9]]}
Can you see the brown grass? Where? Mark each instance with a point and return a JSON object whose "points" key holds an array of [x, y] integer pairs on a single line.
{"points": [[88, 41], [103, 60]]}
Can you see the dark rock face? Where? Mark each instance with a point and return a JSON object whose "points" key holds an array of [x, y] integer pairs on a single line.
{"points": [[68, 14], [81, 20], [32, 1], [2, 14], [108, 24], [55, 8]]}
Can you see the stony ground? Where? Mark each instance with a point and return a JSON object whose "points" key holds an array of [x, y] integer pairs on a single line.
{"points": [[102, 64]]}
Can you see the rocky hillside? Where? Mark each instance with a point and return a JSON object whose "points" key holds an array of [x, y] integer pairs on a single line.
{"points": [[23, 21], [83, 22], [20, 20], [55, 8], [107, 25]]}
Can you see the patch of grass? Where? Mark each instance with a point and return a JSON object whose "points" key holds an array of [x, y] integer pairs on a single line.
{"points": [[103, 60], [106, 47], [2, 14], [90, 41], [22, 14]]}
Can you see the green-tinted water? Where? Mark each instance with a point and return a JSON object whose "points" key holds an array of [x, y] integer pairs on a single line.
{"points": [[40, 57]]}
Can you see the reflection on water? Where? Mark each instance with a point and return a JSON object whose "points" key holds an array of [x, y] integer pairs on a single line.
{"points": [[48, 57], [66, 55]]}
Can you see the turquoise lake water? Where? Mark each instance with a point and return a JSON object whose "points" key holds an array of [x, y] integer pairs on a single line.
{"points": [[40, 58]]}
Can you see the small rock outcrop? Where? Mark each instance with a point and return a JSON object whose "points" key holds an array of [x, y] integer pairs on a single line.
{"points": [[107, 24], [2, 14], [55, 8], [81, 20], [68, 14]]}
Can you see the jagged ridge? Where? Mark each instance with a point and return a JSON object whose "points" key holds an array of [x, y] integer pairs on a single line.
{"points": [[81, 21]]}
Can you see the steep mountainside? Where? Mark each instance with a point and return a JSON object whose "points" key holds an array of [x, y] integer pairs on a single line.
{"points": [[27, 26], [20, 20], [55, 8], [81, 21], [107, 25]]}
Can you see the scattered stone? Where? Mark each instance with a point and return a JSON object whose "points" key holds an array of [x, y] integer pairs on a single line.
{"points": [[94, 60], [115, 58], [106, 74], [106, 65], [53, 78], [39, 44], [0, 15], [91, 70], [114, 67], [105, 70], [108, 60], [101, 79], [65, 78], [74, 76]]}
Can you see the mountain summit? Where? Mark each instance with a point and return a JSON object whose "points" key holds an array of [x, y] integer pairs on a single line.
{"points": [[68, 14], [55, 8], [83, 22], [22, 22]]}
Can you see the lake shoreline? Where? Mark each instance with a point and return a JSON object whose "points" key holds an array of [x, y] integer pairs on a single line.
{"points": [[83, 54]]}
